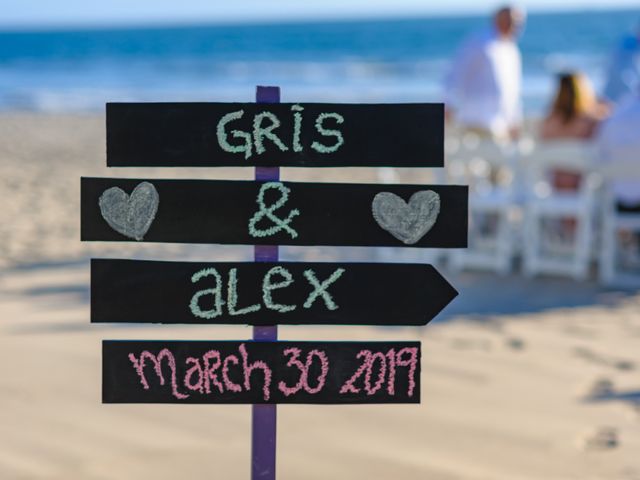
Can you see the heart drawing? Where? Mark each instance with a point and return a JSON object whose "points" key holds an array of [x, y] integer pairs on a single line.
{"points": [[130, 215], [407, 222]]}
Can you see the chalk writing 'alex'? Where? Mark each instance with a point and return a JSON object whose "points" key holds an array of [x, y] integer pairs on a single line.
{"points": [[276, 278]]}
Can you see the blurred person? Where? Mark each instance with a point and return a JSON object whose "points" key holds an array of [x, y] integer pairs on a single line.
{"points": [[619, 142], [482, 89], [623, 74], [575, 112], [618, 139]]}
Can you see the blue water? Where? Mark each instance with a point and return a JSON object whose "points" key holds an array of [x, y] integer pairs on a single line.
{"points": [[350, 61]]}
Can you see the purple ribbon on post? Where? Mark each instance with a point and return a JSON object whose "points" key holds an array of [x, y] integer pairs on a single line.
{"points": [[264, 417]]}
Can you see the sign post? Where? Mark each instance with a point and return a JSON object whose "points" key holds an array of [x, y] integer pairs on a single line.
{"points": [[264, 417], [265, 293]]}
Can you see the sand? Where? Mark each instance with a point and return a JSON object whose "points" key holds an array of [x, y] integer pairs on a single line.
{"points": [[525, 379]]}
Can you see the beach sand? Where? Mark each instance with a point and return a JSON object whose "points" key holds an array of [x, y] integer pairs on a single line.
{"points": [[522, 379]]}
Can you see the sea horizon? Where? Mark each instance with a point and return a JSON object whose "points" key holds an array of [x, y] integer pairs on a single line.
{"points": [[342, 60]]}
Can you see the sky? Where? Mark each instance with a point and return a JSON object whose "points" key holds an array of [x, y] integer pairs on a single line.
{"points": [[61, 13]]}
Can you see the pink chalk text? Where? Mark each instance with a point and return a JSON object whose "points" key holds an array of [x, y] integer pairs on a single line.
{"points": [[275, 372]]}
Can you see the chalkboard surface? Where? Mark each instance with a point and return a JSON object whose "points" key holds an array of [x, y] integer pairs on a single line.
{"points": [[266, 293], [260, 372], [273, 213], [293, 135]]}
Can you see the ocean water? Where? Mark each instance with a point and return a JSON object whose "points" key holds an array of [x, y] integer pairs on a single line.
{"points": [[348, 61]]}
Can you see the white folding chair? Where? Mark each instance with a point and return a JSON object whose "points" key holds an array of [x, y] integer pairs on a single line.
{"points": [[553, 215], [487, 167], [615, 222]]}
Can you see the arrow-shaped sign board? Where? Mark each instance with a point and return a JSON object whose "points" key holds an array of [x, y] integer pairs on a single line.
{"points": [[275, 135], [260, 372], [273, 213], [130, 291]]}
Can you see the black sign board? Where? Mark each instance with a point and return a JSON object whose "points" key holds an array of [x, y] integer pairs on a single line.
{"points": [[269, 213], [266, 293], [274, 135], [260, 372]]}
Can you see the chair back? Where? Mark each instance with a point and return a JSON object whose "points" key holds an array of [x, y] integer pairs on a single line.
{"points": [[561, 166], [482, 163]]}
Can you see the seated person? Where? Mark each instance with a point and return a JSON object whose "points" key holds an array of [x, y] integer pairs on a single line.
{"points": [[575, 114]]}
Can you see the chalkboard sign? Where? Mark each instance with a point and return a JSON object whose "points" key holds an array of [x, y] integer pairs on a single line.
{"points": [[270, 213], [266, 293], [260, 372], [274, 135]]}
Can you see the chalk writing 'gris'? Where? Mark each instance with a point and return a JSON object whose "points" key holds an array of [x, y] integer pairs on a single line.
{"points": [[264, 129]]}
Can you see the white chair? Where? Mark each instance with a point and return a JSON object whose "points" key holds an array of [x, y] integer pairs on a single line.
{"points": [[559, 223], [488, 168], [614, 222]]}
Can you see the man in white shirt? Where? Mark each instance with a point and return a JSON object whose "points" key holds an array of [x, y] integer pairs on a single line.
{"points": [[482, 90], [619, 143]]}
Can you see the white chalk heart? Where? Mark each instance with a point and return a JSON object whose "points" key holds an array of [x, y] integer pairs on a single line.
{"points": [[407, 222], [130, 215]]}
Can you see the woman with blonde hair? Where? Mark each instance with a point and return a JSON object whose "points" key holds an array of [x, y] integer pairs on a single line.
{"points": [[575, 112]]}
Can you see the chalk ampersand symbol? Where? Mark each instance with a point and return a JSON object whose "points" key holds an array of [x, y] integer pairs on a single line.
{"points": [[130, 215], [268, 211], [407, 222]]}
